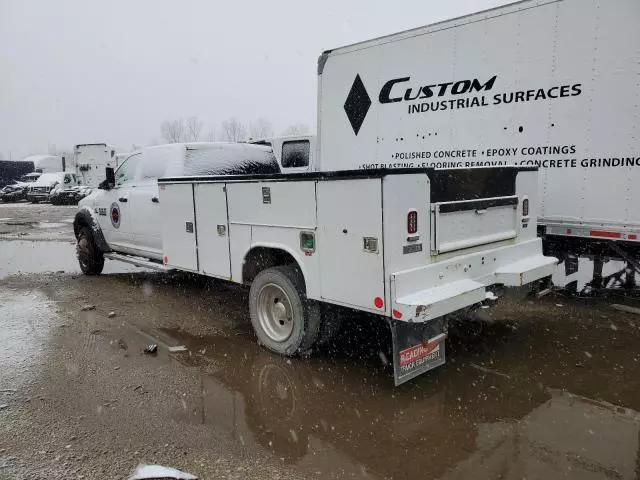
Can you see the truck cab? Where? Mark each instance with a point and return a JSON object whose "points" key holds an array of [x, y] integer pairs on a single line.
{"points": [[125, 209]]}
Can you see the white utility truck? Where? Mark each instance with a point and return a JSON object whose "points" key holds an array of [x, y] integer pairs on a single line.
{"points": [[546, 83], [412, 245], [90, 161], [47, 183]]}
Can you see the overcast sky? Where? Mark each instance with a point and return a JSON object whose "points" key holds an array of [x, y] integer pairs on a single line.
{"points": [[82, 71]]}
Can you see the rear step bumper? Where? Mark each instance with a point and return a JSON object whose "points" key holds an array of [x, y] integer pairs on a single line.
{"points": [[461, 282], [137, 261]]}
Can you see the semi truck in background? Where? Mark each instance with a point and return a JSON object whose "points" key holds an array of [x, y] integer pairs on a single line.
{"points": [[90, 161], [545, 83]]}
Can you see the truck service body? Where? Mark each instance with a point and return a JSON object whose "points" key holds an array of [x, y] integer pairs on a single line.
{"points": [[412, 244]]}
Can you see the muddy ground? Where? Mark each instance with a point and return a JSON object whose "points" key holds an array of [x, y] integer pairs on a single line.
{"points": [[548, 390]]}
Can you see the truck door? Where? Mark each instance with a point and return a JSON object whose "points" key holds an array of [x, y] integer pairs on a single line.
{"points": [[113, 211], [146, 230]]}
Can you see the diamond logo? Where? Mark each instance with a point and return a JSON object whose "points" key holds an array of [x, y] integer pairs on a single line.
{"points": [[357, 104]]}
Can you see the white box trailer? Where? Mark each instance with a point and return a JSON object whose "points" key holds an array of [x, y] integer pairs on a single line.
{"points": [[48, 163], [547, 83]]}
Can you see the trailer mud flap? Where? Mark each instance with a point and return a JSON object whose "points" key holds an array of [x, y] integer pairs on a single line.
{"points": [[417, 348]]}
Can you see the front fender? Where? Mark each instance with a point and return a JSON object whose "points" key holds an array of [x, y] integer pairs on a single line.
{"points": [[86, 218]]}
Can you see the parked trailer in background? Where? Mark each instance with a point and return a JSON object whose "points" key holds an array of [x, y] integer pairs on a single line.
{"points": [[12, 170], [47, 163]]}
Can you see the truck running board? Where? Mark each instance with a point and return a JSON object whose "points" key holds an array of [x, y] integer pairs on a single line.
{"points": [[137, 261]]}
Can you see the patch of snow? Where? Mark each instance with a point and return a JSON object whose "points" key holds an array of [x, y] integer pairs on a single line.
{"points": [[51, 225], [147, 472]]}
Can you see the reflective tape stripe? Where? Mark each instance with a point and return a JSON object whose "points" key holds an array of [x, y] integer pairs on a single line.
{"points": [[603, 234]]}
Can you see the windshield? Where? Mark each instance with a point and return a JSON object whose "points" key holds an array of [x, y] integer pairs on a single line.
{"points": [[49, 178], [30, 177]]}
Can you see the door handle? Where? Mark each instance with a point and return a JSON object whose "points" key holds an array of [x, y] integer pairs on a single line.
{"points": [[155, 200], [481, 211], [123, 199]]}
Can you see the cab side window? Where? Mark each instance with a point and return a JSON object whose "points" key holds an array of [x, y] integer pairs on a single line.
{"points": [[126, 174], [295, 154]]}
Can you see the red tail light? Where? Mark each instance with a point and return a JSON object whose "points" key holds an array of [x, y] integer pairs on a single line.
{"points": [[525, 207], [412, 222]]}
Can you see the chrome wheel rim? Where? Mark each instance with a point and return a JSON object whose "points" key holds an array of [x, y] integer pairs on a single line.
{"points": [[275, 312]]}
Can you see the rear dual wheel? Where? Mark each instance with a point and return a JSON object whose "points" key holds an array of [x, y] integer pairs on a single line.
{"points": [[284, 320]]}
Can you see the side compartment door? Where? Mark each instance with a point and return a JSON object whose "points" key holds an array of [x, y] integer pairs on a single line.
{"points": [[350, 243], [179, 244], [212, 225]]}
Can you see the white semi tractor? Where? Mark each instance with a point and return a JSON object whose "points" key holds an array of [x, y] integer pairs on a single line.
{"points": [[91, 159], [545, 83], [334, 225]]}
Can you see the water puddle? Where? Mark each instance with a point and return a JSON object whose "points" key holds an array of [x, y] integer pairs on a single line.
{"points": [[25, 320], [17, 256], [532, 402]]}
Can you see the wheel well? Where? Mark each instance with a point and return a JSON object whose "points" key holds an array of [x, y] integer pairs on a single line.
{"points": [[261, 258], [78, 223]]}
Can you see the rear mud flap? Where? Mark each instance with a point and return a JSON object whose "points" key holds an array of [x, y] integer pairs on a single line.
{"points": [[417, 347]]}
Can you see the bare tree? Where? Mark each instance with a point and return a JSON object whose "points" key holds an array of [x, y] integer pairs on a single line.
{"points": [[173, 131], [193, 129], [296, 129], [233, 130], [211, 135], [260, 128]]}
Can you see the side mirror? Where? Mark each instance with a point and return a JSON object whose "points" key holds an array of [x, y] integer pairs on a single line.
{"points": [[110, 180]]}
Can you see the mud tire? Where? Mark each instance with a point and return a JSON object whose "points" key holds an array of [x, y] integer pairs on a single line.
{"points": [[90, 257]]}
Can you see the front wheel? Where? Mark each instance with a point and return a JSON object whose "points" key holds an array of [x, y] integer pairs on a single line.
{"points": [[282, 317], [90, 257]]}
